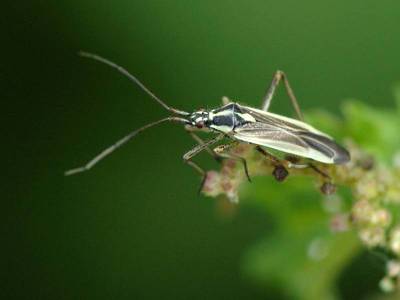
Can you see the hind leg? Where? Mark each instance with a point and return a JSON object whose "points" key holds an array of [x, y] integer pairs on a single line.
{"points": [[280, 75]]}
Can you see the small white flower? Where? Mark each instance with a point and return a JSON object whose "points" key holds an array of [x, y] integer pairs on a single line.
{"points": [[372, 237], [387, 285], [393, 268], [395, 240]]}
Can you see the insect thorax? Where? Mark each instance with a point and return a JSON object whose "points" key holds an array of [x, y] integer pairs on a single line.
{"points": [[228, 117]]}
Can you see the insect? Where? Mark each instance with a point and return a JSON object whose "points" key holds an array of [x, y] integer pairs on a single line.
{"points": [[240, 124]]}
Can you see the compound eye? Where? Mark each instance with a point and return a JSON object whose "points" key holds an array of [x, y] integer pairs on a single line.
{"points": [[200, 124]]}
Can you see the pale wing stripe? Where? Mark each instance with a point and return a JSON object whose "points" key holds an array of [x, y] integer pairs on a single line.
{"points": [[327, 146], [285, 122], [286, 147], [313, 142]]}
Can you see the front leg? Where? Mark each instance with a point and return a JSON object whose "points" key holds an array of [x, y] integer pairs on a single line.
{"points": [[187, 157], [200, 141], [221, 150]]}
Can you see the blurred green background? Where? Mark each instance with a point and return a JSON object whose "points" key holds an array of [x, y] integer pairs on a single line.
{"points": [[134, 227]]}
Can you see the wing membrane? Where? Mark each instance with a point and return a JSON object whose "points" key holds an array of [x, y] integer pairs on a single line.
{"points": [[291, 136]]}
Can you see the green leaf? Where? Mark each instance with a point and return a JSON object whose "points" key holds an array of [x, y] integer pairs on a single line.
{"points": [[302, 254], [375, 130]]}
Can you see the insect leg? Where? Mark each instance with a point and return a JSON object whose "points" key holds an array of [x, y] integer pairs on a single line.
{"points": [[187, 157], [327, 187], [200, 141], [280, 173], [200, 171], [311, 166], [225, 100], [320, 172], [221, 150], [280, 75]]}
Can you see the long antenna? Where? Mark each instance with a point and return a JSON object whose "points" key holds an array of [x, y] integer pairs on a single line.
{"points": [[118, 144], [133, 79]]}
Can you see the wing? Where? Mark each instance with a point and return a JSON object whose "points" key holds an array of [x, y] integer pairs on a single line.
{"points": [[290, 136]]}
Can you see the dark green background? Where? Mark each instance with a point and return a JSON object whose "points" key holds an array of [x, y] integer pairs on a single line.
{"points": [[133, 228]]}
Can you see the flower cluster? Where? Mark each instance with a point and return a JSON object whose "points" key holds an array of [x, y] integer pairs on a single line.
{"points": [[374, 185]]}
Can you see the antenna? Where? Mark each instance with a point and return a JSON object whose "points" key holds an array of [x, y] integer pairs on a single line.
{"points": [[133, 79], [118, 144]]}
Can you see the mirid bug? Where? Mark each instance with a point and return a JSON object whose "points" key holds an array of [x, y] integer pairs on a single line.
{"points": [[241, 124]]}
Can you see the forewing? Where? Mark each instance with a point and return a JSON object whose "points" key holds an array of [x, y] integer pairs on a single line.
{"points": [[290, 136], [279, 121], [272, 136]]}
